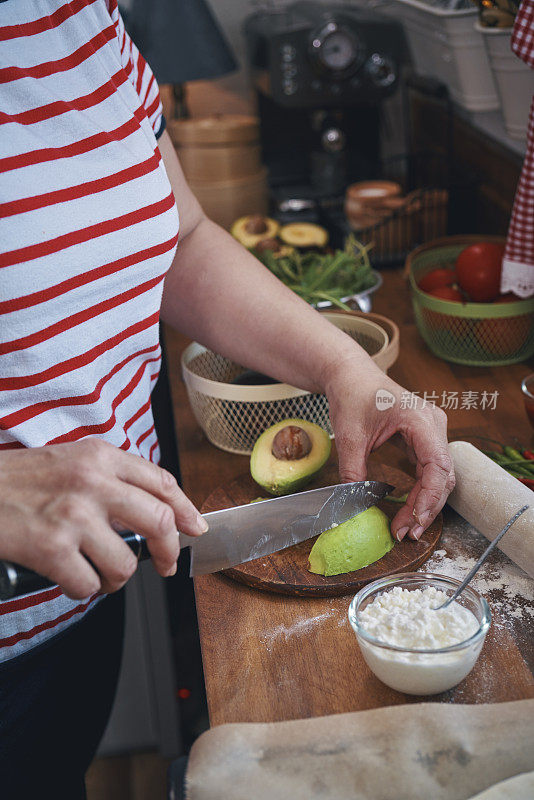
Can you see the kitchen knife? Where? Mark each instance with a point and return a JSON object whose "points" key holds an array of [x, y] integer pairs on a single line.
{"points": [[242, 533]]}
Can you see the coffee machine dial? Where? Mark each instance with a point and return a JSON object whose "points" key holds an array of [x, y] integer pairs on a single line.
{"points": [[382, 70], [336, 50]]}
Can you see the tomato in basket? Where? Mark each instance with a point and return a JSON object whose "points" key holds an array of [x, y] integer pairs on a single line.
{"points": [[440, 322], [478, 268], [504, 336], [447, 293], [436, 278]]}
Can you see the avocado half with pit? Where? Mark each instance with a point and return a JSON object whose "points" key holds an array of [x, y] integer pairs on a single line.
{"points": [[253, 229], [304, 235], [287, 455], [354, 544]]}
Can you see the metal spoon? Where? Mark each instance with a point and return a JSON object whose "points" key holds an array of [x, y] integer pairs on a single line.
{"points": [[481, 560]]}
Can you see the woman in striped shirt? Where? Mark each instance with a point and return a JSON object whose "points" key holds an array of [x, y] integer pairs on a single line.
{"points": [[92, 249]]}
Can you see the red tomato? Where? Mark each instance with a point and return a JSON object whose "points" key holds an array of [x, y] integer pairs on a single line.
{"points": [[438, 321], [447, 293], [436, 278], [478, 268], [446, 324]]}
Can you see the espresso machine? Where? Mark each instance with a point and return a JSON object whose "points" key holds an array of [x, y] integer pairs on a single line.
{"points": [[321, 72]]}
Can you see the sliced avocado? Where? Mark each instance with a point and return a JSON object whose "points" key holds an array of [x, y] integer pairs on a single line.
{"points": [[254, 228], [354, 544], [303, 235], [287, 455]]}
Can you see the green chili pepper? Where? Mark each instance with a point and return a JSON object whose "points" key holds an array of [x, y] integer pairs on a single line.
{"points": [[512, 453], [493, 454], [518, 475], [517, 467], [521, 465]]}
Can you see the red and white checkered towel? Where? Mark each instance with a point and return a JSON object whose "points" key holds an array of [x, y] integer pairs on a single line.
{"points": [[518, 264]]}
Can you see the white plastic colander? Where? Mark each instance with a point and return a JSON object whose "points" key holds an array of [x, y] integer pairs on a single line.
{"points": [[233, 416]]}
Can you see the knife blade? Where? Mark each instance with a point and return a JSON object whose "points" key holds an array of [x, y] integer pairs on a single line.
{"points": [[239, 534], [243, 533]]}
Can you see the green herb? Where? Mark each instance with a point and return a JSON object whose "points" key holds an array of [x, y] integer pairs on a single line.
{"points": [[317, 276]]}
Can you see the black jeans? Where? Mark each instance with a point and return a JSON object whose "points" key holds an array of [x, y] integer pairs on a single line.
{"points": [[54, 705]]}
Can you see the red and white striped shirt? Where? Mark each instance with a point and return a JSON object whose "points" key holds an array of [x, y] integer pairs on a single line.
{"points": [[88, 229]]}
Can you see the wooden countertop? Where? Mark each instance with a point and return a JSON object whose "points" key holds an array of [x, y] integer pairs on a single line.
{"points": [[267, 657]]}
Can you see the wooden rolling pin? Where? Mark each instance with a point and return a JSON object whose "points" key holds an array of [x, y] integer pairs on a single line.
{"points": [[487, 496]]}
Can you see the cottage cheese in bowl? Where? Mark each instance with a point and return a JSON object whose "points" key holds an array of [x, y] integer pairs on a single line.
{"points": [[410, 645]]}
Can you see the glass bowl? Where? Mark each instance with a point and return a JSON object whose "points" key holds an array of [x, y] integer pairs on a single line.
{"points": [[420, 671]]}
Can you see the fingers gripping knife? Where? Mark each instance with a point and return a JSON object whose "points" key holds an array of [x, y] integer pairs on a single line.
{"points": [[239, 534]]}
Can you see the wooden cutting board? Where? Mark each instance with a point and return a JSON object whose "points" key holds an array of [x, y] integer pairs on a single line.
{"points": [[286, 572]]}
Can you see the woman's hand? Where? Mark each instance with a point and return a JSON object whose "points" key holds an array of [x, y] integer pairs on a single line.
{"points": [[361, 426], [61, 505]]}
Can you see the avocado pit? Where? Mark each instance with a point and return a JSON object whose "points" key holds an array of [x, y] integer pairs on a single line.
{"points": [[291, 444], [256, 223], [288, 454]]}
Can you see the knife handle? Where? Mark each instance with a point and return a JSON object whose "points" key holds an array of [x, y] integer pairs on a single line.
{"points": [[16, 580]]}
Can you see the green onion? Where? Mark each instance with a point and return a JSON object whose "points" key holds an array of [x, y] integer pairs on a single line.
{"points": [[318, 276]]}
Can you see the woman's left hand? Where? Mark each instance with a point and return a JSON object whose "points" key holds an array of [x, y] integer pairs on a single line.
{"points": [[364, 416]]}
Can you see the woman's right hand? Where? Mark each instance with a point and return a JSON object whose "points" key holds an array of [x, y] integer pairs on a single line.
{"points": [[61, 506]]}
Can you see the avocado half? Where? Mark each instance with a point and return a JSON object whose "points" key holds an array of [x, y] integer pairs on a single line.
{"points": [[287, 474], [253, 229], [354, 544], [304, 235]]}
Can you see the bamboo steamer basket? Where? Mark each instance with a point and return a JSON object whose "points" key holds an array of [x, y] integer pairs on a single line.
{"points": [[226, 201], [218, 148], [221, 159]]}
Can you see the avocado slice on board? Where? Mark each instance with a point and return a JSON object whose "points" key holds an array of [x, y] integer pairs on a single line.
{"points": [[287, 455], [354, 544]]}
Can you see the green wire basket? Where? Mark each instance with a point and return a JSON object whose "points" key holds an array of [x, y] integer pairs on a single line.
{"points": [[477, 334]]}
